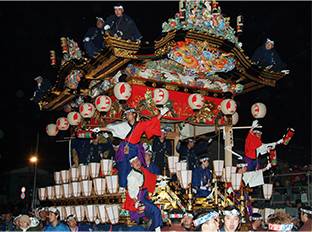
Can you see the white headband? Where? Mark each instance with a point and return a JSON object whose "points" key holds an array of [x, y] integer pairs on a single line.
{"points": [[133, 159], [306, 211], [255, 218], [118, 7], [269, 41], [205, 218], [233, 212]]}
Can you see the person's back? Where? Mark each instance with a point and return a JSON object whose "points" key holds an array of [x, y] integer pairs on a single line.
{"points": [[59, 227]]}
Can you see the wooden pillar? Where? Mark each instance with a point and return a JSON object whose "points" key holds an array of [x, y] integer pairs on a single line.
{"points": [[228, 141]]}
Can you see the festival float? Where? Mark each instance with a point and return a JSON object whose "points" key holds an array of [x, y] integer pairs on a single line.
{"points": [[196, 69]]}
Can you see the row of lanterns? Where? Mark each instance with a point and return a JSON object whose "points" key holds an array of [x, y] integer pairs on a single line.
{"points": [[83, 188], [105, 213], [227, 174], [84, 172]]}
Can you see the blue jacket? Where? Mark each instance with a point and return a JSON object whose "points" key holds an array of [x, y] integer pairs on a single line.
{"points": [[153, 169], [58, 227], [200, 178]]}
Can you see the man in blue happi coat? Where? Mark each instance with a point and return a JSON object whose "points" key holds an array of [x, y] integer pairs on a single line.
{"points": [[201, 178]]}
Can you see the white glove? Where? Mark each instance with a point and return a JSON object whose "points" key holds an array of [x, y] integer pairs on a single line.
{"points": [[96, 130], [203, 187], [285, 71], [164, 110], [280, 141], [107, 27], [254, 124], [105, 135], [122, 190], [268, 167], [194, 190]]}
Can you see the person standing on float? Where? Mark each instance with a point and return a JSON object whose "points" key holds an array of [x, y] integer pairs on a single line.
{"points": [[131, 132]]}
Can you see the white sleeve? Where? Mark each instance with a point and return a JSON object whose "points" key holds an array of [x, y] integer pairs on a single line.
{"points": [[119, 129], [135, 181]]}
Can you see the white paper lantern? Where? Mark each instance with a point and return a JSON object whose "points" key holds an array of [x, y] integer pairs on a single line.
{"points": [[99, 186], [122, 91], [113, 213], [106, 166], [65, 176], [196, 101], [61, 209], [235, 118], [182, 165], [228, 106], [186, 178], [84, 171], [42, 194], [236, 179], [267, 191], [74, 174], [228, 172], [112, 183], [86, 188], [218, 167], [94, 169], [68, 210], [57, 178], [67, 190], [58, 189], [172, 163], [79, 212], [160, 96], [76, 187], [50, 192], [103, 103], [87, 110], [258, 110], [74, 118], [51, 129], [102, 215], [62, 124], [90, 213]]}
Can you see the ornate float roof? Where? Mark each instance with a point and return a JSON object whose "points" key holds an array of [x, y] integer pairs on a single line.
{"points": [[197, 52]]}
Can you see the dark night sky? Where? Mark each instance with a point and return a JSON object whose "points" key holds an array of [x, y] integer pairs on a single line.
{"points": [[30, 29]]}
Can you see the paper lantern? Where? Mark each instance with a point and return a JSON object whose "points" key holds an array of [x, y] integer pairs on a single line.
{"points": [[196, 101], [228, 107], [79, 212], [106, 166], [74, 118], [76, 188], [218, 167], [99, 186], [267, 191], [84, 171], [186, 178], [160, 96], [103, 103], [102, 215], [86, 110], [50, 192], [258, 110], [86, 188], [235, 118], [62, 123], [57, 178], [182, 165], [172, 163], [122, 91], [62, 212], [58, 189], [74, 174], [112, 183], [67, 190], [51, 129], [94, 169], [228, 172], [236, 179], [113, 213], [42, 194], [90, 212], [65, 176], [68, 210]]}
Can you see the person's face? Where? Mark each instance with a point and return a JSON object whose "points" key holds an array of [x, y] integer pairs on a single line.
{"points": [[256, 224], [205, 163], [52, 217], [259, 135], [23, 224], [44, 214], [118, 12], [148, 157], [136, 164], [303, 217], [131, 117], [7, 217], [231, 223], [191, 144], [99, 24], [163, 135], [268, 46], [187, 222], [211, 225], [72, 223]]}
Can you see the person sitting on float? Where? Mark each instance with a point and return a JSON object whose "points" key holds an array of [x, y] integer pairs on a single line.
{"points": [[131, 132], [280, 221], [208, 222], [232, 219], [201, 178], [256, 220], [141, 183], [150, 165], [306, 218]]}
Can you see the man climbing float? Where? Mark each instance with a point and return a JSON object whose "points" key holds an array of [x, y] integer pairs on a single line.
{"points": [[140, 183], [131, 132]]}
